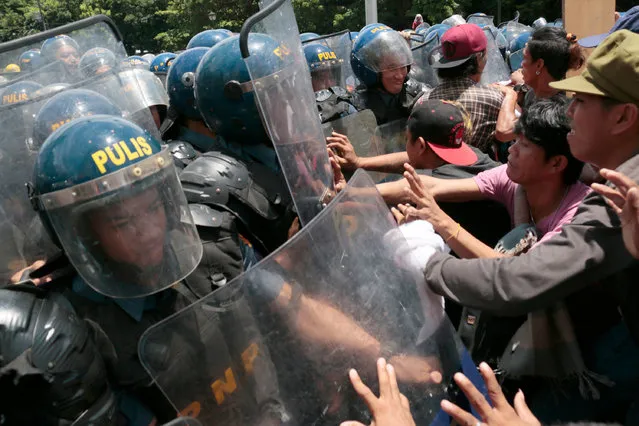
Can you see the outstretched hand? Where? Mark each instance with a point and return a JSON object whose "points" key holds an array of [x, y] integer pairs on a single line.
{"points": [[420, 195], [500, 414], [344, 151], [624, 200], [391, 408]]}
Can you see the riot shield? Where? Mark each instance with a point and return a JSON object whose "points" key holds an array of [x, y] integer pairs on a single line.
{"points": [[341, 43], [275, 345], [515, 60], [496, 69], [421, 70], [360, 129], [481, 19], [287, 106], [25, 238], [391, 137]]}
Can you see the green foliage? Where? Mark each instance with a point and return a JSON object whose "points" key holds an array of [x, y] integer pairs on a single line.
{"points": [[165, 25]]}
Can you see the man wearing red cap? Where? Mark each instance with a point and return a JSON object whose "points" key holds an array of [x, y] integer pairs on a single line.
{"points": [[460, 61]]}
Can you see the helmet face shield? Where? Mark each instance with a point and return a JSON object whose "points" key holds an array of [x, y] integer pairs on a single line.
{"points": [[134, 240]]}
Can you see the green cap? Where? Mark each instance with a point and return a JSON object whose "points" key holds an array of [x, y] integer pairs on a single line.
{"points": [[612, 70]]}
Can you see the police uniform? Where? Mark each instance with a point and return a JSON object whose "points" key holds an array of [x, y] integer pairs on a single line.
{"points": [[387, 107]]}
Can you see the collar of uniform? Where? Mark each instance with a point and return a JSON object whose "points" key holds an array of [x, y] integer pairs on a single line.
{"points": [[134, 307], [201, 142]]}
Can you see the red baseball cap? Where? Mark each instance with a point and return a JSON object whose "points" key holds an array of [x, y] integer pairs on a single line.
{"points": [[443, 128], [459, 44]]}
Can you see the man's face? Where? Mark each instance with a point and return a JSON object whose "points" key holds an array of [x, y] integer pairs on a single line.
{"points": [[528, 67], [393, 79], [590, 128], [69, 55], [527, 162], [133, 230]]}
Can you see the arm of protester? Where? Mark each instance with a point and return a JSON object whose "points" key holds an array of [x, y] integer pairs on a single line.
{"points": [[350, 161], [624, 200], [586, 251], [460, 241], [391, 408], [500, 414], [446, 190], [505, 129]]}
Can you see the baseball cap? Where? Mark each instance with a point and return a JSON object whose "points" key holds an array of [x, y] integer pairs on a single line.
{"points": [[458, 45], [442, 125], [629, 21], [612, 70]]}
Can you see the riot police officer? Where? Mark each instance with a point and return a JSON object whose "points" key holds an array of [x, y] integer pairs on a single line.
{"points": [[238, 196], [62, 48], [184, 125], [381, 59], [30, 60], [333, 100], [109, 194], [161, 63], [97, 61]]}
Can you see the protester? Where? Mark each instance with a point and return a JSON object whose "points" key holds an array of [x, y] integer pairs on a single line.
{"points": [[548, 56], [460, 67]]}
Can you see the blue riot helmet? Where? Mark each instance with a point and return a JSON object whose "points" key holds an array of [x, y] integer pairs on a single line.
{"points": [[229, 32], [21, 91], [379, 48], [162, 62], [30, 61], [354, 35], [539, 22], [61, 48], [68, 106], [308, 36], [208, 38], [97, 61], [520, 42], [180, 81], [440, 29], [114, 201], [136, 61], [325, 66], [224, 91]]}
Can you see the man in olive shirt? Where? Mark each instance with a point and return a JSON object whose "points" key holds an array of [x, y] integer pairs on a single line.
{"points": [[586, 265]]}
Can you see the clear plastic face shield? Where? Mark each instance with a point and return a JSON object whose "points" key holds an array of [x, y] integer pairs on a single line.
{"points": [[129, 233], [388, 51], [422, 70], [276, 344], [496, 69], [515, 60], [139, 93], [341, 43], [286, 102], [481, 20], [454, 20], [25, 240]]}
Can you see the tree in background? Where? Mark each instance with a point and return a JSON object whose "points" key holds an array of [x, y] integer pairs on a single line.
{"points": [[167, 25]]}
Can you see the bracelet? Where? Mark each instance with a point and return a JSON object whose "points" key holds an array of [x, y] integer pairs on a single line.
{"points": [[454, 234]]}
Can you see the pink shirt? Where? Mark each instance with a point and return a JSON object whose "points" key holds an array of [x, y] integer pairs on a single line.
{"points": [[494, 184]]}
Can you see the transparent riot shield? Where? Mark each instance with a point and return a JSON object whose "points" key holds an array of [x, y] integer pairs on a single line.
{"points": [[496, 69], [421, 70], [287, 106], [360, 129], [515, 60], [341, 43], [274, 346], [25, 239], [481, 19], [391, 137]]}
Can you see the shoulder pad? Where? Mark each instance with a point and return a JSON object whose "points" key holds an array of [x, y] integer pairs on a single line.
{"points": [[206, 216], [183, 153], [323, 95]]}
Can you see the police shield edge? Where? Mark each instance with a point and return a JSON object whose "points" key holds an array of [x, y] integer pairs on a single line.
{"points": [[287, 105], [275, 345], [421, 70], [24, 129], [496, 69]]}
